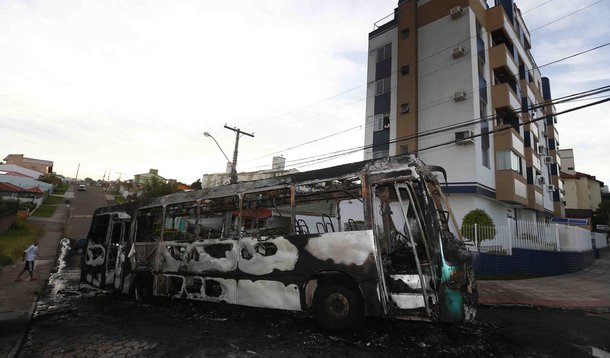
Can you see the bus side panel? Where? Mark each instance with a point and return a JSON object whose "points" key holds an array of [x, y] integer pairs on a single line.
{"points": [[268, 271]]}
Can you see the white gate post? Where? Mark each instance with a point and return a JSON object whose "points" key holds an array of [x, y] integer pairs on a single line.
{"points": [[557, 237], [510, 236], [476, 237]]}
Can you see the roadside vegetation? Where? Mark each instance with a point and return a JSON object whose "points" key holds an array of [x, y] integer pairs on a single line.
{"points": [[17, 239], [48, 207]]}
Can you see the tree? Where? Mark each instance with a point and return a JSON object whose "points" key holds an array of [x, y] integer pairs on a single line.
{"points": [[155, 188], [196, 185], [485, 227], [601, 215]]}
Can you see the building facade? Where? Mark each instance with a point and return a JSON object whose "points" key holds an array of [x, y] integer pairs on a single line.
{"points": [[583, 192], [455, 83], [153, 174], [39, 165]]}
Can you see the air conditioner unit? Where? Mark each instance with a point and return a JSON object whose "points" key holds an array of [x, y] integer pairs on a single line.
{"points": [[458, 52], [456, 12], [541, 149], [547, 160], [460, 96], [550, 187], [540, 180], [464, 137]]}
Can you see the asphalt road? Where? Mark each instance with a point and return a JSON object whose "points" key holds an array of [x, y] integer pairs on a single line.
{"points": [[81, 211]]}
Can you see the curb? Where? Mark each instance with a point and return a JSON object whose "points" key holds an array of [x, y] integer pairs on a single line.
{"points": [[556, 308]]}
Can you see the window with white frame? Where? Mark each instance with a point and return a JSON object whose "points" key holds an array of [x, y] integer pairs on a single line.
{"points": [[508, 160], [383, 86], [381, 122]]}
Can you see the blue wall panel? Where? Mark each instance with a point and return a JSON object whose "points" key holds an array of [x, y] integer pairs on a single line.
{"points": [[531, 263]]}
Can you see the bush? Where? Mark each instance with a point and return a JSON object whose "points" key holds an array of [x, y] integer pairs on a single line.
{"points": [[486, 229]]}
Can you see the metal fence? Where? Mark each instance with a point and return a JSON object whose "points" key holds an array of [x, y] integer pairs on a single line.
{"points": [[501, 239], [600, 240]]}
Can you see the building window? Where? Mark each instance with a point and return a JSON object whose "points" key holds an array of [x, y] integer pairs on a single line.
{"points": [[404, 108], [383, 86], [404, 149], [384, 52], [405, 34], [404, 70], [485, 144], [381, 122], [508, 160]]}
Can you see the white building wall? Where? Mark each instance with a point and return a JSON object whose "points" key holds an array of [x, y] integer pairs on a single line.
{"points": [[462, 204], [439, 77]]}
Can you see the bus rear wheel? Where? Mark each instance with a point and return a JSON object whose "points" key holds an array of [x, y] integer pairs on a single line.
{"points": [[142, 289], [338, 307]]}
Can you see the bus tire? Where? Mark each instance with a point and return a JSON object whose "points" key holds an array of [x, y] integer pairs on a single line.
{"points": [[142, 289], [338, 307]]}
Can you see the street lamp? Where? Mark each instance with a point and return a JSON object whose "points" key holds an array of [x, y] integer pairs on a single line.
{"points": [[223, 152]]}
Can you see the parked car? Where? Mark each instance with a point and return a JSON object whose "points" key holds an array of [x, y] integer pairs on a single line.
{"points": [[82, 187]]}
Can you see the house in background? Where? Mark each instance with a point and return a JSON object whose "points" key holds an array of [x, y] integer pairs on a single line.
{"points": [[583, 192], [278, 165], [21, 170], [39, 165], [9, 191], [153, 174]]}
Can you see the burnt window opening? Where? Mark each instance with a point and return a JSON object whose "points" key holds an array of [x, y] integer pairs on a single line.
{"points": [[180, 222], [218, 251], [265, 249], [218, 218], [406, 33], [115, 237], [267, 213], [404, 108], [100, 229], [148, 224], [213, 288], [328, 207]]}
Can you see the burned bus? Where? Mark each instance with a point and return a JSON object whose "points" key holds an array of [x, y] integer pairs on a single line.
{"points": [[363, 239]]}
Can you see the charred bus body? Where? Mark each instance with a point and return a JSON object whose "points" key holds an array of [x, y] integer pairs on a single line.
{"points": [[363, 239]]}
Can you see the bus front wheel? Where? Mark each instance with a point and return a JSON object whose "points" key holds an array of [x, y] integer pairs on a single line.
{"points": [[338, 307]]}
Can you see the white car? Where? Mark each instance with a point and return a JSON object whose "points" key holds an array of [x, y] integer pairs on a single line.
{"points": [[82, 187]]}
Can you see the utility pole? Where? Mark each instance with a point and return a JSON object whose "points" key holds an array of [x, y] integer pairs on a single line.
{"points": [[77, 169], [238, 132]]}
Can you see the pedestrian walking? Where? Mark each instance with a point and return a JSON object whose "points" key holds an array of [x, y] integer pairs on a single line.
{"points": [[29, 255]]}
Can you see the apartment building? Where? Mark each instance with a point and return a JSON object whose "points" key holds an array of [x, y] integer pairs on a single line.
{"points": [[583, 192], [455, 82]]}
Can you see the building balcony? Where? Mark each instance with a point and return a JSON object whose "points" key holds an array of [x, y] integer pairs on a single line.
{"points": [[502, 95], [535, 197], [511, 187], [500, 56], [509, 139]]}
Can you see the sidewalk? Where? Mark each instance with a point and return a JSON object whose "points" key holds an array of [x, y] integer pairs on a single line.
{"points": [[587, 290], [17, 299]]}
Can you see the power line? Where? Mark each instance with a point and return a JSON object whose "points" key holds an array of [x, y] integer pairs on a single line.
{"points": [[450, 98], [446, 99], [470, 122], [418, 61]]}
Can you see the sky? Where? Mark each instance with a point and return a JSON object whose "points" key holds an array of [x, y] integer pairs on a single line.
{"points": [[120, 87]]}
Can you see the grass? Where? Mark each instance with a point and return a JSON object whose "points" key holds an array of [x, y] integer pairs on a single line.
{"points": [[61, 189], [17, 239], [45, 211], [54, 200]]}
